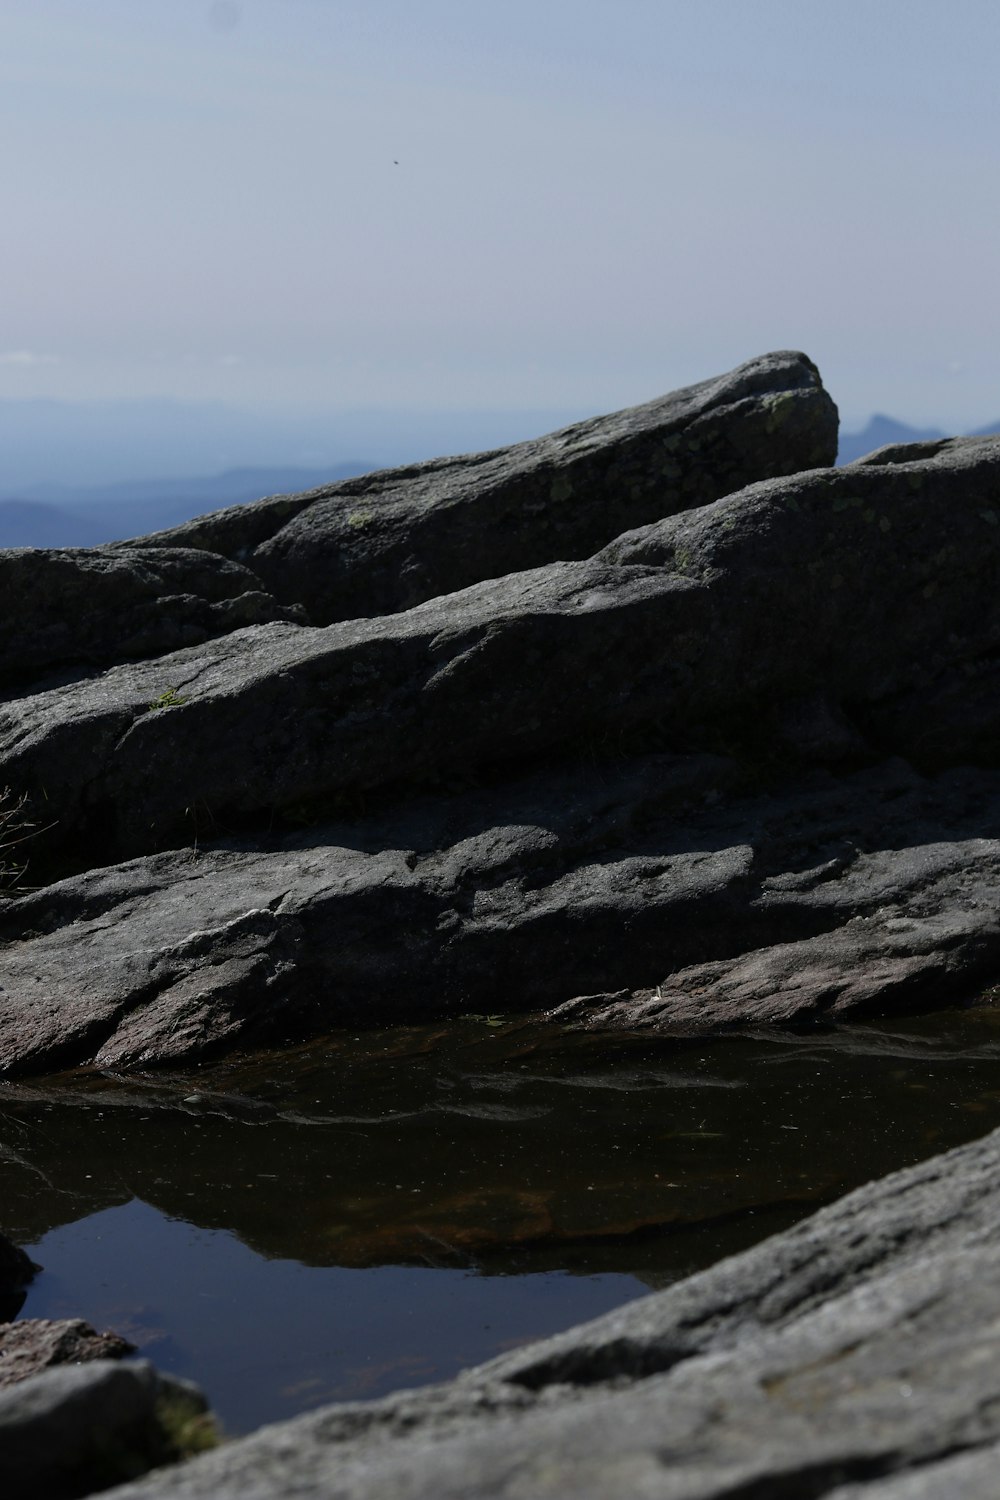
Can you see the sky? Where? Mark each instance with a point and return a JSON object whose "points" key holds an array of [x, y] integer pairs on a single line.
{"points": [[445, 205]]}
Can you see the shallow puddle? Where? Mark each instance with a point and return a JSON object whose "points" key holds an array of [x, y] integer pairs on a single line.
{"points": [[378, 1211]]}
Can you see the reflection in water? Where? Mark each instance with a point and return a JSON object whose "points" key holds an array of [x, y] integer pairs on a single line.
{"points": [[376, 1211], [269, 1338]]}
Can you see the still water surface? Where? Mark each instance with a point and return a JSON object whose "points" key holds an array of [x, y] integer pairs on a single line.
{"points": [[373, 1212]]}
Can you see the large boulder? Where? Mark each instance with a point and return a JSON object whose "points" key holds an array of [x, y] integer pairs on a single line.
{"points": [[392, 539], [852, 1357], [832, 614]]}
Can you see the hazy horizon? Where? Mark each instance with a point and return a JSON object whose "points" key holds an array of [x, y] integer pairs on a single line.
{"points": [[49, 444], [572, 206]]}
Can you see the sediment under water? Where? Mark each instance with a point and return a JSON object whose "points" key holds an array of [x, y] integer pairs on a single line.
{"points": [[375, 1211]]}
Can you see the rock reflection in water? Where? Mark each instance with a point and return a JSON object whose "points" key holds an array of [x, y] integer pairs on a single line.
{"points": [[510, 1149]]}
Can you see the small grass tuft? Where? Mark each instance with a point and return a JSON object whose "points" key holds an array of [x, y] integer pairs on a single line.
{"points": [[187, 1428], [171, 698]]}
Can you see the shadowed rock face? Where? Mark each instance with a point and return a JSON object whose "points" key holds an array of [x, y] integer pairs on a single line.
{"points": [[78, 1429], [74, 606], [876, 890]]}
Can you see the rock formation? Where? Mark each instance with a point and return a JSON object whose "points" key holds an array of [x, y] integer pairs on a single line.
{"points": [[389, 540], [711, 773]]}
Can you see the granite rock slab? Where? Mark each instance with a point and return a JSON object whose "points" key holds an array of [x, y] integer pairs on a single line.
{"points": [[832, 615], [392, 539]]}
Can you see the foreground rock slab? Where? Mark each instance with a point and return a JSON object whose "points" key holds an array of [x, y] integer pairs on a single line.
{"points": [[853, 1357], [389, 540]]}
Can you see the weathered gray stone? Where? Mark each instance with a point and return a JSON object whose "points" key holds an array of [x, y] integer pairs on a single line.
{"points": [[891, 960], [853, 1355], [66, 607], [36, 1344], [70, 1431], [867, 590], [390, 540], [874, 890]]}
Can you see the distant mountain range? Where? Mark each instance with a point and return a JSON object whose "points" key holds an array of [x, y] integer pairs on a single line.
{"points": [[882, 430], [67, 515], [67, 467], [59, 515]]}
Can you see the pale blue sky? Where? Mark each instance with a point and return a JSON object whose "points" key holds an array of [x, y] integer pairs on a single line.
{"points": [[595, 200]]}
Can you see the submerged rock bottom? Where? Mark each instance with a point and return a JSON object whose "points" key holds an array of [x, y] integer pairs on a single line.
{"points": [[855, 1355]]}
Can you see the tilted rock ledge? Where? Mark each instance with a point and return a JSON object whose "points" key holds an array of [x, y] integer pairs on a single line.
{"points": [[389, 540]]}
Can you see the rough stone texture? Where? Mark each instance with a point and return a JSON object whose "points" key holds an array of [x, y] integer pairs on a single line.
{"points": [[96, 606], [37, 1344], [874, 890], [392, 539], [855, 1355], [829, 613], [70, 1431]]}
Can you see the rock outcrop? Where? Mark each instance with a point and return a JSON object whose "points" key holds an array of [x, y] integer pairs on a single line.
{"points": [[701, 777], [660, 722], [389, 540], [837, 613], [851, 1358]]}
